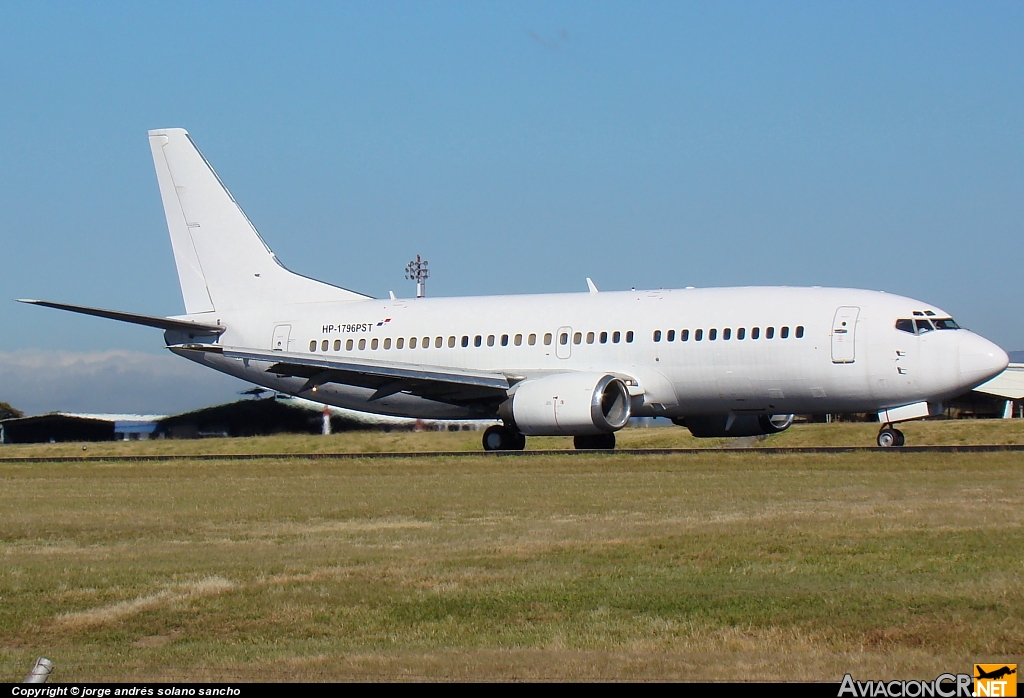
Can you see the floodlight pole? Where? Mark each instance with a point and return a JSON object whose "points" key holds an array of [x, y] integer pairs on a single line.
{"points": [[417, 271]]}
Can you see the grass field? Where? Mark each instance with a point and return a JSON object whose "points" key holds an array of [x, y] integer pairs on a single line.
{"points": [[704, 566], [991, 431]]}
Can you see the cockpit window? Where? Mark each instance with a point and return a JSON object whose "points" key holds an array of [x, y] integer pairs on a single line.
{"points": [[920, 325]]}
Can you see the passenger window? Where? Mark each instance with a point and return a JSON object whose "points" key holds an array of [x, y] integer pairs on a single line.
{"points": [[577, 337], [563, 338], [532, 339], [374, 343], [362, 344], [323, 345], [755, 332], [590, 337], [923, 326], [799, 331], [698, 335], [712, 335], [616, 337], [438, 341], [519, 340], [451, 342], [478, 340], [726, 334], [670, 336], [547, 338], [604, 338], [657, 335], [769, 332], [784, 333], [337, 345], [629, 336], [387, 343], [741, 333], [348, 345], [465, 340], [684, 335], [312, 345], [412, 342]]}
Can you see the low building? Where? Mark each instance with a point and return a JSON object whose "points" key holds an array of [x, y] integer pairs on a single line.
{"points": [[70, 426], [1003, 394], [286, 414]]}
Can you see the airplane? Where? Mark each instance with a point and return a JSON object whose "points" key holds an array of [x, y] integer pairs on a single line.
{"points": [[720, 361], [995, 673]]}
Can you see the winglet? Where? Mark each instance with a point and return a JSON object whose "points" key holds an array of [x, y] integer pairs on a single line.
{"points": [[591, 286]]}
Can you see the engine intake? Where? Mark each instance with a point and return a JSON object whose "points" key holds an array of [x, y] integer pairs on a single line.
{"points": [[569, 404]]}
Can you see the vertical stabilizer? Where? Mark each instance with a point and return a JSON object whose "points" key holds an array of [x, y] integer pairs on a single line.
{"points": [[223, 263]]}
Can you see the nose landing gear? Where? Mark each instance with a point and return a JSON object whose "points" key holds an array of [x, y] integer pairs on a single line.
{"points": [[502, 438], [889, 437]]}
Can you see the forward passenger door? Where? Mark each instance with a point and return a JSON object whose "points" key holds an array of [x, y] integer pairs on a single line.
{"points": [[844, 335]]}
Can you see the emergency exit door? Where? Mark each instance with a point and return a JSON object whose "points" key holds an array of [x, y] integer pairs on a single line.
{"points": [[844, 335]]}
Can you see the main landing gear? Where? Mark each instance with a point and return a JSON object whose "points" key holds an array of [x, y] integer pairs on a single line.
{"points": [[890, 437], [594, 442], [502, 438]]}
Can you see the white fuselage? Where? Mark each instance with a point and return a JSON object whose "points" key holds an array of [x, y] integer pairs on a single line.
{"points": [[820, 366]]}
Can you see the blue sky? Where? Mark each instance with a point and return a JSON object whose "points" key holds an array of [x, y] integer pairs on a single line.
{"points": [[520, 147]]}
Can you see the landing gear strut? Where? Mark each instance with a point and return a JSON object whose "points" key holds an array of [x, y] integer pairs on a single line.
{"points": [[890, 437], [502, 438], [594, 442]]}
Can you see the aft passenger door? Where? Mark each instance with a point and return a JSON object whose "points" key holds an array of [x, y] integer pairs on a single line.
{"points": [[844, 335], [281, 335]]}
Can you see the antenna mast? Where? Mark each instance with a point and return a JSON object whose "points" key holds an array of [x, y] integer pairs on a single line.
{"points": [[417, 271]]}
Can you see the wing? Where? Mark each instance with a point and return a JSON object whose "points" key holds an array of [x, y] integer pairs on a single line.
{"points": [[450, 385]]}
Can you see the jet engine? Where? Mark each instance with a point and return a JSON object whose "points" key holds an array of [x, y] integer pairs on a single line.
{"points": [[738, 425], [569, 404]]}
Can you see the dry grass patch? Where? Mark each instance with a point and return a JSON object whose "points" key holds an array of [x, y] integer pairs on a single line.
{"points": [[601, 566]]}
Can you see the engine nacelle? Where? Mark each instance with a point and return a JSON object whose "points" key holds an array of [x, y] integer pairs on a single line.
{"points": [[569, 404], [741, 425]]}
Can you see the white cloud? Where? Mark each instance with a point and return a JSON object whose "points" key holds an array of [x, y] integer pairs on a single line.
{"points": [[37, 381]]}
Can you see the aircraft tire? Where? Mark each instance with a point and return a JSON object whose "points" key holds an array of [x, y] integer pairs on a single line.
{"points": [[594, 442], [890, 438], [501, 438]]}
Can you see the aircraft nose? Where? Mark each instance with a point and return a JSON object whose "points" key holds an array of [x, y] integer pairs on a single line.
{"points": [[980, 360]]}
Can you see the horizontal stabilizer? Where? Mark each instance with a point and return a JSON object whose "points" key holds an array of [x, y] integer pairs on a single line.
{"points": [[162, 323]]}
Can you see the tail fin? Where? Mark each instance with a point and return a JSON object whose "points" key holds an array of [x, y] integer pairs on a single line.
{"points": [[223, 263]]}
